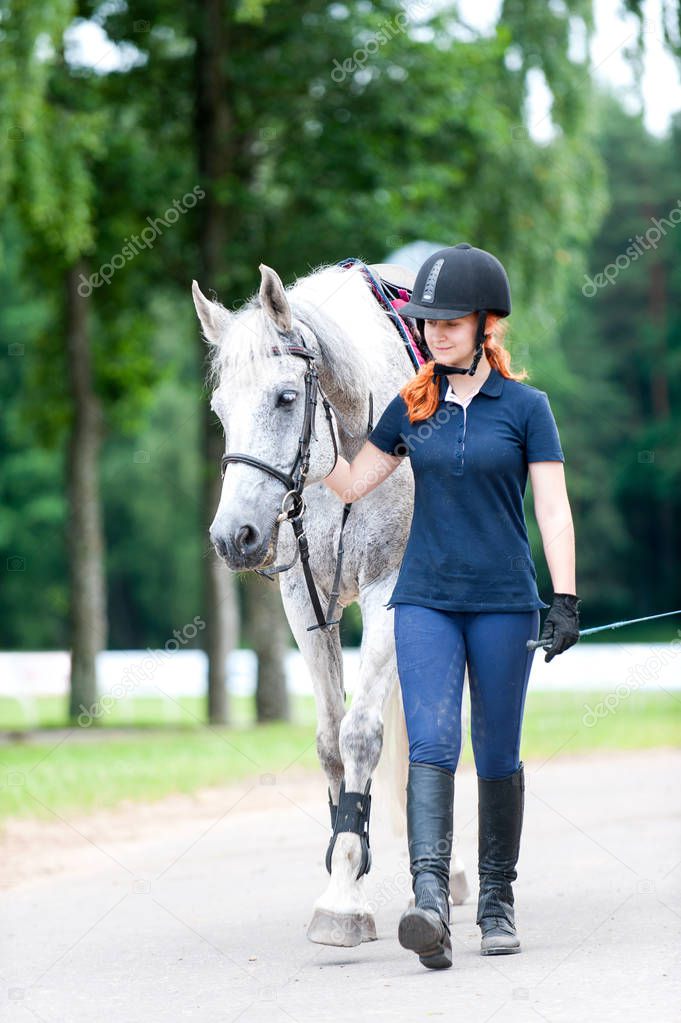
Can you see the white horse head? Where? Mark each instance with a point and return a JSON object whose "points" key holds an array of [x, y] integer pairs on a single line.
{"points": [[259, 392]]}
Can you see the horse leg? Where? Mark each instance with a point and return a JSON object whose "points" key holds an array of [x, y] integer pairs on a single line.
{"points": [[342, 914], [339, 916]]}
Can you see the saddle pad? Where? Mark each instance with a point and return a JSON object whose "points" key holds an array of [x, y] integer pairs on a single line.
{"points": [[392, 298]]}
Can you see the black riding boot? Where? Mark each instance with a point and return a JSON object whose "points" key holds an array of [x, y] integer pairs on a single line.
{"points": [[500, 820], [424, 928]]}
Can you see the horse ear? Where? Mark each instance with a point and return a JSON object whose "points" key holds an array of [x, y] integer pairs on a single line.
{"points": [[213, 316], [273, 298]]}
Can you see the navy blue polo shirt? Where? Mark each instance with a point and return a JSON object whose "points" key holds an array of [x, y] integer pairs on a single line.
{"points": [[468, 548]]}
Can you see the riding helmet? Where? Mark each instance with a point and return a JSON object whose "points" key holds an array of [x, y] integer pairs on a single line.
{"points": [[459, 280], [454, 282]]}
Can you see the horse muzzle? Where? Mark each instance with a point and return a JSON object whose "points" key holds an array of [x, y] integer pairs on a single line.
{"points": [[246, 546]]}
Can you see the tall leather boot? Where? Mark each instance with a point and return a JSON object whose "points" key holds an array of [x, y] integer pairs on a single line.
{"points": [[501, 803], [424, 927]]}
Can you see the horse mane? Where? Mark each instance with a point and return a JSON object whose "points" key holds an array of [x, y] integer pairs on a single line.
{"points": [[340, 320]]}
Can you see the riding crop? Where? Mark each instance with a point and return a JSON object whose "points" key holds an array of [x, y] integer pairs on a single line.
{"points": [[532, 644]]}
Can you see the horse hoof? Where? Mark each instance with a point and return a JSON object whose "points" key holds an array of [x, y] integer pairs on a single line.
{"points": [[368, 926], [341, 929]]}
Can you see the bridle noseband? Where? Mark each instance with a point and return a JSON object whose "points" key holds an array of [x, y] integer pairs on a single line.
{"points": [[293, 503]]}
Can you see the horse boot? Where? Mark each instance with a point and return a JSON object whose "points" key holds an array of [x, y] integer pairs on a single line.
{"points": [[500, 819], [351, 813], [424, 927], [333, 810]]}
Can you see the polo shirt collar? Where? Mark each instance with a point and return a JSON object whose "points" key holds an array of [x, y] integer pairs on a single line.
{"points": [[492, 387]]}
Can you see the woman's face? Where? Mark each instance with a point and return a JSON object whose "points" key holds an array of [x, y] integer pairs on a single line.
{"points": [[452, 341]]}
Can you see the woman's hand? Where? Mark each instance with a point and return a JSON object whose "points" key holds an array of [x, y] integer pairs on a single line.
{"points": [[561, 624]]}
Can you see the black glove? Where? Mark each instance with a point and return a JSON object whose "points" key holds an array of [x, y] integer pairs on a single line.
{"points": [[561, 624]]}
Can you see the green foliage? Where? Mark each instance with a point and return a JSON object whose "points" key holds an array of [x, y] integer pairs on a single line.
{"points": [[151, 496], [403, 135], [50, 140], [668, 27], [348, 132], [618, 395], [33, 594]]}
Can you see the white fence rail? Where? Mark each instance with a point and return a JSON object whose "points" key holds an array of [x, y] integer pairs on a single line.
{"points": [[596, 667]]}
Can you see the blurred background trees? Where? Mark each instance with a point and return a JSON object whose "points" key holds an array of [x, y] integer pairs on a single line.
{"points": [[315, 131]]}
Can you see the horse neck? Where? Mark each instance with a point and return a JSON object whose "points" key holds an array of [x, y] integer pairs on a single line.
{"points": [[390, 375], [391, 370]]}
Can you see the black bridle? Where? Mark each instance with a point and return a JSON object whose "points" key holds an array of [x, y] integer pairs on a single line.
{"points": [[293, 503]]}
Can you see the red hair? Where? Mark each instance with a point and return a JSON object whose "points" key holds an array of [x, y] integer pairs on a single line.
{"points": [[422, 392]]}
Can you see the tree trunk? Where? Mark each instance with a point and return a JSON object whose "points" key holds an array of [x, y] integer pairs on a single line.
{"points": [[213, 134], [223, 153], [664, 532], [268, 637], [85, 535], [219, 592]]}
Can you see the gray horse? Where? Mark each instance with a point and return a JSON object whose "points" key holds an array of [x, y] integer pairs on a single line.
{"points": [[260, 402]]}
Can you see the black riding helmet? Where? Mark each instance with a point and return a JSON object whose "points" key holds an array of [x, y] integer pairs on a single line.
{"points": [[454, 282]]}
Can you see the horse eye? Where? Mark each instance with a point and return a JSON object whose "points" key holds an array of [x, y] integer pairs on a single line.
{"points": [[287, 397]]}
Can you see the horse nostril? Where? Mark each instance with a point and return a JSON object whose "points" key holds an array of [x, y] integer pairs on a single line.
{"points": [[247, 539], [219, 544]]}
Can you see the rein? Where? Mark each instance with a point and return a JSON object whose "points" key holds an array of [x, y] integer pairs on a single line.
{"points": [[293, 503]]}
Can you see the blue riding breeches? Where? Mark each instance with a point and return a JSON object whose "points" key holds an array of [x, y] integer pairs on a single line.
{"points": [[433, 647]]}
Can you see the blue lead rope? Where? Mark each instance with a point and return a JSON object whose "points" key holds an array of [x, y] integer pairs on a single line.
{"points": [[532, 644]]}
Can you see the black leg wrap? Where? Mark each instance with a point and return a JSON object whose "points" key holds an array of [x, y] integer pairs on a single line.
{"points": [[333, 810], [352, 814]]}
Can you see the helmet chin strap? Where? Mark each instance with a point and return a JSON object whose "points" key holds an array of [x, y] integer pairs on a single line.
{"points": [[440, 369]]}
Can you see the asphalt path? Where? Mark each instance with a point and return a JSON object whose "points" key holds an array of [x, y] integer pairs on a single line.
{"points": [[197, 908]]}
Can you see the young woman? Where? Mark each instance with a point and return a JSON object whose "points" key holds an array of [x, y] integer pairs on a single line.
{"points": [[466, 591]]}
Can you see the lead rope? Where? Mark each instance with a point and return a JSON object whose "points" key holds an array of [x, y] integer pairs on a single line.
{"points": [[335, 589]]}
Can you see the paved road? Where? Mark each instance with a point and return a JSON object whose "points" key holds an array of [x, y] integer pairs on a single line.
{"points": [[204, 917]]}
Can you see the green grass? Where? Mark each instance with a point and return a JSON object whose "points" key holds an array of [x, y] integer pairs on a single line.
{"points": [[41, 779], [137, 712], [571, 722]]}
